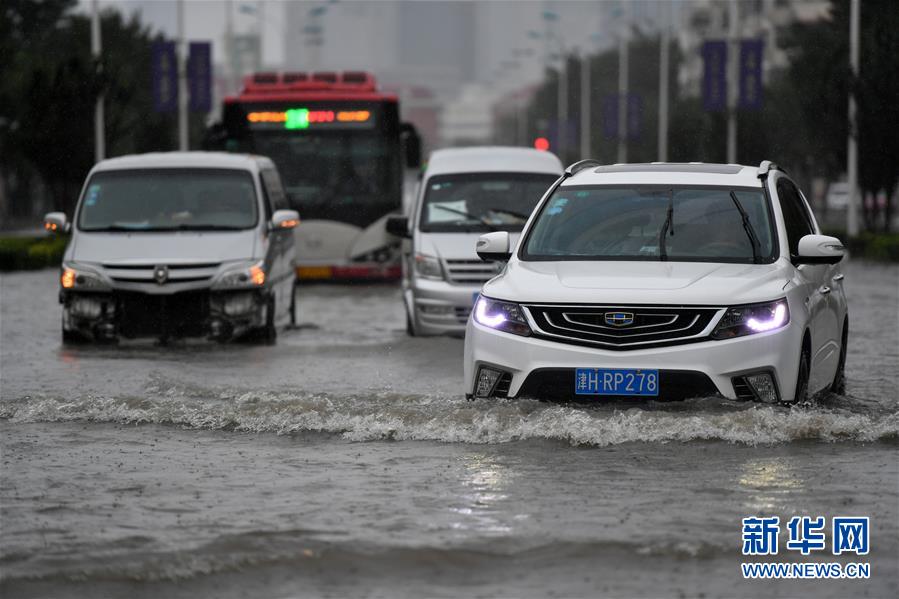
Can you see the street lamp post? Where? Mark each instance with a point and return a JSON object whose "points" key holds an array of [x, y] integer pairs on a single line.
{"points": [[182, 82], [664, 52], [622, 97], [852, 149], [99, 116]]}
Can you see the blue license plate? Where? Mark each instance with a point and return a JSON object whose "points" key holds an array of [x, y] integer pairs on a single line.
{"points": [[616, 381]]}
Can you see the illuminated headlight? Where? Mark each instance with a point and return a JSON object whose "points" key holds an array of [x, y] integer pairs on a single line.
{"points": [[755, 318], [428, 267], [241, 276], [75, 276], [502, 316]]}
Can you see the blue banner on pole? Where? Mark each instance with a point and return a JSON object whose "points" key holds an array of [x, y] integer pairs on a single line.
{"points": [[714, 80], [164, 70], [199, 76], [634, 116], [752, 53], [610, 116]]}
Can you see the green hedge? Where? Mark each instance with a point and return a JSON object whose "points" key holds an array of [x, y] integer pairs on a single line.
{"points": [[28, 253], [871, 246]]}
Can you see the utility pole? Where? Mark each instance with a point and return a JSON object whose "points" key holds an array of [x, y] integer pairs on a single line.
{"points": [[229, 45], [663, 84], [182, 81], [852, 153], [585, 106], [732, 84], [622, 97], [563, 106], [99, 116]]}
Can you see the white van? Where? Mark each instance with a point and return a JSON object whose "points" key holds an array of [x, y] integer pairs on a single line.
{"points": [[178, 244], [464, 193]]}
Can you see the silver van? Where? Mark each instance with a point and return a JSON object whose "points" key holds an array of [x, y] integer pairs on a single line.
{"points": [[464, 193], [178, 244]]}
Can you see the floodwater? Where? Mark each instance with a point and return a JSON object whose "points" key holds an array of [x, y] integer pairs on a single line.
{"points": [[345, 462]]}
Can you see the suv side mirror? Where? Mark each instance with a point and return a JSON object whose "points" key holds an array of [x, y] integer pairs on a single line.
{"points": [[819, 249], [398, 225], [494, 246], [56, 222], [285, 219]]}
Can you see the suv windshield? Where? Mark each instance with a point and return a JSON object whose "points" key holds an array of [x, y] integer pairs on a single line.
{"points": [[168, 200], [684, 224], [491, 201]]}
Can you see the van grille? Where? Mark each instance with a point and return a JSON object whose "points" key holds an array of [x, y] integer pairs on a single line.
{"points": [[620, 327], [470, 272], [177, 273]]}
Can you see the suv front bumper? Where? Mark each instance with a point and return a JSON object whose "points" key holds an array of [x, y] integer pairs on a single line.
{"points": [[532, 359]]}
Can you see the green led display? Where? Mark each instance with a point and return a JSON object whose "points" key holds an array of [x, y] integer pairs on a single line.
{"points": [[297, 118]]}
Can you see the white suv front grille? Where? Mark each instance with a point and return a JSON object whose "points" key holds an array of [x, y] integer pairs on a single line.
{"points": [[470, 272]]}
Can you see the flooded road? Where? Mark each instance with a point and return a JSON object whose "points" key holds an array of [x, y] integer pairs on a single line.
{"points": [[345, 461]]}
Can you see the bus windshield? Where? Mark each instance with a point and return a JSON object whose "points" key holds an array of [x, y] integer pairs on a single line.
{"points": [[346, 167]]}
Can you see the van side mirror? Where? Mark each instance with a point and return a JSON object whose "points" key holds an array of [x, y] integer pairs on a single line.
{"points": [[398, 225], [285, 219], [494, 246], [411, 145], [56, 222], [819, 249]]}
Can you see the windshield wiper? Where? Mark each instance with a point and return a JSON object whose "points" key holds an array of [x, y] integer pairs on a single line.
{"points": [[668, 224], [509, 212], [466, 215], [747, 226]]}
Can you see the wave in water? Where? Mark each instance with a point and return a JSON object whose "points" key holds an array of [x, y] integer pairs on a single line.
{"points": [[448, 419]]}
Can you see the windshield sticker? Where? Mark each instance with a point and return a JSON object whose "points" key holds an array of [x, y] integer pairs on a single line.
{"points": [[93, 192], [556, 206]]}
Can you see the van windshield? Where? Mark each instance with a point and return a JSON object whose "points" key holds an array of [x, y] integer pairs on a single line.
{"points": [[481, 202], [685, 224], [169, 200]]}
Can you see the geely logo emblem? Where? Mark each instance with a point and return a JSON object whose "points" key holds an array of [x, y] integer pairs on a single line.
{"points": [[619, 319], [161, 274]]}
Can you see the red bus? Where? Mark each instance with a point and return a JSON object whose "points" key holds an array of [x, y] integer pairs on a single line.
{"points": [[341, 151]]}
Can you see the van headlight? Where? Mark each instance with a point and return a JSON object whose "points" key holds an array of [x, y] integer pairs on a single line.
{"points": [[754, 318], [502, 316], [242, 276], [77, 277], [428, 267]]}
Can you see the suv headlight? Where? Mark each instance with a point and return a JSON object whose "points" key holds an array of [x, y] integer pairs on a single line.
{"points": [[242, 276], [754, 318], [428, 267], [76, 276], [502, 316]]}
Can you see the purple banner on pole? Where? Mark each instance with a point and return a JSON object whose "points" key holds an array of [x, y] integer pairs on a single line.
{"points": [[610, 116], [199, 76], [634, 116], [164, 70], [752, 53], [714, 79]]}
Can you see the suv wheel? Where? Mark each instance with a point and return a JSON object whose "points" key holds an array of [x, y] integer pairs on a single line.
{"points": [[801, 393], [838, 385]]}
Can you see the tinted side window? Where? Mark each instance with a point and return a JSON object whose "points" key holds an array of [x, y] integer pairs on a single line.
{"points": [[271, 182], [796, 217]]}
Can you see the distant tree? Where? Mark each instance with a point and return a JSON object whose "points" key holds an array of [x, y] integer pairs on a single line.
{"points": [[49, 88]]}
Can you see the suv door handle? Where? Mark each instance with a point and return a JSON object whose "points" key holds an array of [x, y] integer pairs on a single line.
{"points": [[824, 289], [838, 277]]}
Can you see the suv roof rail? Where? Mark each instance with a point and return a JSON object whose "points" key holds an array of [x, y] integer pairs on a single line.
{"points": [[581, 165], [765, 166]]}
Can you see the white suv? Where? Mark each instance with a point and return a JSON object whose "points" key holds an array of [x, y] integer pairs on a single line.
{"points": [[670, 280]]}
